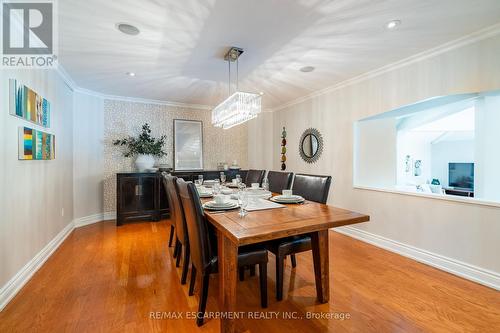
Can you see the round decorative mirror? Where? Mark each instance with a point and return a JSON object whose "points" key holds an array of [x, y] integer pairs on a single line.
{"points": [[311, 145]]}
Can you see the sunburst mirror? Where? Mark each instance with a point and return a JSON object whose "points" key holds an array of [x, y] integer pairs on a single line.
{"points": [[311, 145]]}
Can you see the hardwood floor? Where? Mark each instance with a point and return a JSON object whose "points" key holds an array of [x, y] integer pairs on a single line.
{"points": [[109, 279]]}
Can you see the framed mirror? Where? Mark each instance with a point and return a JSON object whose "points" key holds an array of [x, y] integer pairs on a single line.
{"points": [[311, 145], [188, 144]]}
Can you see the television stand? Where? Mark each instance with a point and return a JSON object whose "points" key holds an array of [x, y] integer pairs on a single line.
{"points": [[462, 192]]}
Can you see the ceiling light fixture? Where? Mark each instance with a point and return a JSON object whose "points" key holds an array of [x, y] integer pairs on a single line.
{"points": [[240, 106], [128, 29], [130, 73], [307, 69], [393, 24]]}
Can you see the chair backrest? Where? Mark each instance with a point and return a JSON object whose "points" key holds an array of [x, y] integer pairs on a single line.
{"points": [[312, 187], [197, 228], [176, 210], [254, 176], [279, 181]]}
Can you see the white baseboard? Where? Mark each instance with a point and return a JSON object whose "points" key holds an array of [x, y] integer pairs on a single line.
{"points": [[12, 287], [86, 220], [91, 219], [109, 216], [480, 275]]}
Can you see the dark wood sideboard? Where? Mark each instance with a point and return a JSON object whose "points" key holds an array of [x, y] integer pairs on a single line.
{"points": [[142, 196]]}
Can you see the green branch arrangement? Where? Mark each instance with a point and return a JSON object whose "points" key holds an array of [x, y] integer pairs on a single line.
{"points": [[144, 144]]}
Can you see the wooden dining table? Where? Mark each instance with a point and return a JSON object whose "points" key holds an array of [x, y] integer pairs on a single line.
{"points": [[264, 225]]}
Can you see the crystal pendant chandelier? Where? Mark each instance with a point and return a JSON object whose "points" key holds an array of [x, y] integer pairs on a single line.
{"points": [[238, 107]]}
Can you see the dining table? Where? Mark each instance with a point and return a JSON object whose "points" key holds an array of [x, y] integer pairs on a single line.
{"points": [[233, 231]]}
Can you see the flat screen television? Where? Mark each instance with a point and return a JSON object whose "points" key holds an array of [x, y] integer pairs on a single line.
{"points": [[461, 175]]}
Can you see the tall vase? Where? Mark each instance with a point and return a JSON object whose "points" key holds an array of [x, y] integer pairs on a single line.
{"points": [[144, 162]]}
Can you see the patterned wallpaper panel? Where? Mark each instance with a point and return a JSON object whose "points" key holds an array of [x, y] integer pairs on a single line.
{"points": [[123, 118]]}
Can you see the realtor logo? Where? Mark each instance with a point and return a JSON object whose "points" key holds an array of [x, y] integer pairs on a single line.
{"points": [[28, 34]]}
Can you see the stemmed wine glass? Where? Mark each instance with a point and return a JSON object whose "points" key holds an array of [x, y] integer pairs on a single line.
{"points": [[200, 179], [222, 178], [216, 187], [242, 200], [265, 184]]}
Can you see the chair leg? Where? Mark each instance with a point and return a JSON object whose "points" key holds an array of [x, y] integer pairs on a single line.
{"points": [[171, 238], [193, 280], [252, 270], [179, 252], [294, 260], [203, 299], [176, 247], [241, 272], [263, 284], [185, 265], [280, 262]]}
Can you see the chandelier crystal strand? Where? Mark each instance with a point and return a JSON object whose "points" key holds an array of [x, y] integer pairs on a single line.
{"points": [[238, 107]]}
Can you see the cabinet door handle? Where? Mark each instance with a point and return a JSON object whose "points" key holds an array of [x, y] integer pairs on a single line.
{"points": [[138, 190]]}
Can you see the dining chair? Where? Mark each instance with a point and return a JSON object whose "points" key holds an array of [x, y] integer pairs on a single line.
{"points": [[172, 223], [312, 188], [181, 239], [279, 181], [254, 176], [203, 243]]}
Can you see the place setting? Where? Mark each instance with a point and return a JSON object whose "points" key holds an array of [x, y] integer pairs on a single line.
{"points": [[221, 202], [287, 197]]}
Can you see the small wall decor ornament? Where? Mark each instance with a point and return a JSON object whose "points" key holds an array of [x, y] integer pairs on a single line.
{"points": [[283, 149]]}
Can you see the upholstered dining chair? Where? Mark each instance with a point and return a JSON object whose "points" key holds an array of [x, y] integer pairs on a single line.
{"points": [[177, 213], [312, 188], [254, 176], [202, 240], [172, 222], [279, 181]]}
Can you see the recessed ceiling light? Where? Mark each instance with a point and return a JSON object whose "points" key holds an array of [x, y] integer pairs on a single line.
{"points": [[130, 73], [261, 93], [307, 69], [393, 24], [128, 29]]}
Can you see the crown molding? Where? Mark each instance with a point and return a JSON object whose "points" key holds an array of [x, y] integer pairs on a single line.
{"points": [[65, 76], [452, 45]]}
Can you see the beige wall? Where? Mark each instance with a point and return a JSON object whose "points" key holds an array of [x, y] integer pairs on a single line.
{"points": [[462, 232], [123, 118], [33, 193], [88, 155]]}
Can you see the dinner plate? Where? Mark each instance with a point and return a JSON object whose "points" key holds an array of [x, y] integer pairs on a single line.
{"points": [[293, 199], [233, 205], [225, 204], [205, 195]]}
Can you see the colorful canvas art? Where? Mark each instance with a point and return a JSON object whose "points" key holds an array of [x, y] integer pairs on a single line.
{"points": [[27, 104], [35, 144]]}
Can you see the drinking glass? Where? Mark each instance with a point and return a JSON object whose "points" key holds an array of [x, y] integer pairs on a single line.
{"points": [[265, 184], [197, 182], [238, 179], [200, 179], [222, 178], [243, 201], [216, 188]]}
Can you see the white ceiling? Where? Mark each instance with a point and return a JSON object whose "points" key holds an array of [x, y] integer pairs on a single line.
{"points": [[178, 54]]}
